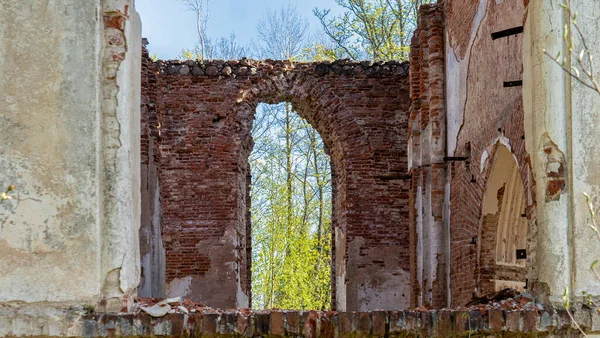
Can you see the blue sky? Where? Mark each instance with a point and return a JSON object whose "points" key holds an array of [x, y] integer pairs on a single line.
{"points": [[170, 28]]}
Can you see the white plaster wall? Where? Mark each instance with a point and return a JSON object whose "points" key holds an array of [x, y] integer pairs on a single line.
{"points": [[457, 83], [63, 240], [561, 111], [585, 115], [49, 132]]}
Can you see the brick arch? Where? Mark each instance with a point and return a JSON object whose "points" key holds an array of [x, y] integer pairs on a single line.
{"points": [[323, 110], [503, 224], [205, 112]]}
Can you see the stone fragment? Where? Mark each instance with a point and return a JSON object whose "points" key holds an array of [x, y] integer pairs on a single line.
{"points": [[184, 70], [226, 71], [157, 310], [277, 323], [322, 69], [212, 70], [197, 71], [241, 70], [172, 69]]}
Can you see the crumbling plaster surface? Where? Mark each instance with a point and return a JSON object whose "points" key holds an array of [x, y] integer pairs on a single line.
{"points": [[428, 149], [373, 287], [457, 67], [76, 219], [121, 156], [480, 111], [561, 122], [48, 149], [152, 251]]}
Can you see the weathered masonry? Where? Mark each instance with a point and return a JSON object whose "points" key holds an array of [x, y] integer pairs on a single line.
{"points": [[200, 155], [473, 192], [454, 176]]}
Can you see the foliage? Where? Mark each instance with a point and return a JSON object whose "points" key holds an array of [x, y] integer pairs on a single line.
{"points": [[291, 188], [291, 212], [583, 72], [371, 29], [281, 34], [6, 195], [225, 48], [201, 10], [319, 51]]}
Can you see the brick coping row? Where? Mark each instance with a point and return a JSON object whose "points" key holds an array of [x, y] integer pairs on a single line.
{"points": [[245, 323]]}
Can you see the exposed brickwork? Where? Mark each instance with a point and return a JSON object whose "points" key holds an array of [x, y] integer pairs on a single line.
{"points": [[461, 16], [444, 323], [205, 113], [492, 113], [428, 132]]}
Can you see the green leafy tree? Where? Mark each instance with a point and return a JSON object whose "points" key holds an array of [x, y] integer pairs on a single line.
{"points": [[371, 29], [291, 188], [200, 8], [225, 48]]}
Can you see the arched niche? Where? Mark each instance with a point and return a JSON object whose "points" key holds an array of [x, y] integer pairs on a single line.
{"points": [[504, 227]]}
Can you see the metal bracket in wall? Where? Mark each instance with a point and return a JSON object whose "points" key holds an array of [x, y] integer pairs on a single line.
{"points": [[521, 254], [507, 32], [455, 159], [518, 83]]}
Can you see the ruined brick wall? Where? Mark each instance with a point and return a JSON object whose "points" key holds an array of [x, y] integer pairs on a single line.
{"points": [[150, 236], [427, 151], [451, 157], [484, 110], [205, 113]]}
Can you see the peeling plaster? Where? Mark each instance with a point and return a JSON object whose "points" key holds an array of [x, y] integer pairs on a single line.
{"points": [[48, 150], [340, 270], [179, 287], [556, 175], [457, 82], [419, 229], [502, 140], [388, 289]]}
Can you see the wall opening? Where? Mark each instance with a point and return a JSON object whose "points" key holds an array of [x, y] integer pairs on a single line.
{"points": [[504, 226], [204, 113], [290, 212]]}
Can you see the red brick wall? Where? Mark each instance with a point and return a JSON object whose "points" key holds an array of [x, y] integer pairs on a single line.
{"points": [[205, 113], [491, 113], [487, 114], [428, 129]]}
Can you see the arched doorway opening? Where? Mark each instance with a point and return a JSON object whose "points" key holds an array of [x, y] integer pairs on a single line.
{"points": [[290, 212], [204, 115], [504, 226]]}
